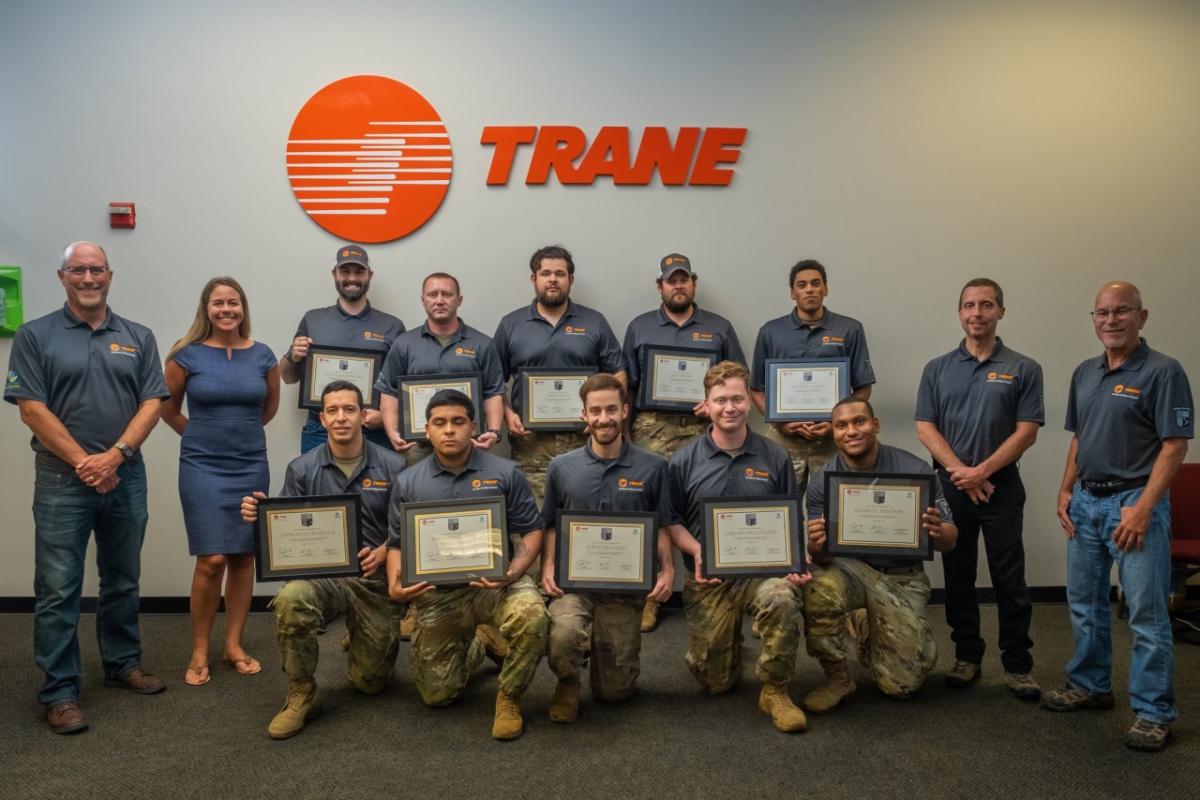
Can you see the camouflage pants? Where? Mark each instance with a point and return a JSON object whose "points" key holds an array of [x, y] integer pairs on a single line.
{"points": [[418, 452], [608, 624], [445, 649], [533, 452], [373, 620], [714, 615], [901, 649], [663, 433], [808, 456]]}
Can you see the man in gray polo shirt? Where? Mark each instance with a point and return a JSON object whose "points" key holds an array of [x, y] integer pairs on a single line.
{"points": [[1131, 413], [443, 345], [447, 641], [350, 322], [606, 474], [810, 331], [677, 322], [730, 460], [345, 464], [89, 385], [978, 410], [552, 331]]}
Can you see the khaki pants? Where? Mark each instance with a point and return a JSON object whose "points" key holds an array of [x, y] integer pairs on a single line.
{"points": [[607, 624], [663, 433], [901, 649], [302, 606], [714, 615], [445, 650]]}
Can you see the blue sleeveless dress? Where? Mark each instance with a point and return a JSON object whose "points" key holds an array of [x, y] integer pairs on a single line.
{"points": [[223, 451]]}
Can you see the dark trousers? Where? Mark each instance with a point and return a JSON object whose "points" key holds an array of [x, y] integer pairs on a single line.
{"points": [[1001, 521]]}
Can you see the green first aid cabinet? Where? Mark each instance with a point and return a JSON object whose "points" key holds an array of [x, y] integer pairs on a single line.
{"points": [[10, 300]]}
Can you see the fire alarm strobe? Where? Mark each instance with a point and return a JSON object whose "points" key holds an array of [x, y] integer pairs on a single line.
{"points": [[122, 215]]}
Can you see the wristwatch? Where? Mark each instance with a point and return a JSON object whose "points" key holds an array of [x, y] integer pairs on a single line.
{"points": [[125, 450], [495, 431]]}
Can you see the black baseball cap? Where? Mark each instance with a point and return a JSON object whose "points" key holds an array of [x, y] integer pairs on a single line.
{"points": [[672, 263], [351, 254]]}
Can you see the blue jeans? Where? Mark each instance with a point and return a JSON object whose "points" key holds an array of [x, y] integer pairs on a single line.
{"points": [[1145, 576], [313, 435], [65, 513]]}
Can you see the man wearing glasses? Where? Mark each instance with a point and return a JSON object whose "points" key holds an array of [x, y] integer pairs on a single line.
{"points": [[1130, 410], [89, 384]]}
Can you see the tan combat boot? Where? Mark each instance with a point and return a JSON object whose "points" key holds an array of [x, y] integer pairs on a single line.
{"points": [[837, 687], [494, 644], [565, 705], [508, 723], [774, 700], [301, 703], [650, 615]]}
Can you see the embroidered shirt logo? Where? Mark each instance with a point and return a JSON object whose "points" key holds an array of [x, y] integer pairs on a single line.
{"points": [[374, 337]]}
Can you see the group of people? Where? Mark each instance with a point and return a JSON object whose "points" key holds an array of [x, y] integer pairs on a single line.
{"points": [[90, 387]]}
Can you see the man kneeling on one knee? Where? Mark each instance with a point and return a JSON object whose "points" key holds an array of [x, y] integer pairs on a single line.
{"points": [[880, 600]]}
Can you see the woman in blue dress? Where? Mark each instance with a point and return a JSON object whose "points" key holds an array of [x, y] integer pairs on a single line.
{"points": [[232, 387]]}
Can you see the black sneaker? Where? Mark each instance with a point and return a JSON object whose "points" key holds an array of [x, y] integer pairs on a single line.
{"points": [[963, 675], [1072, 698]]}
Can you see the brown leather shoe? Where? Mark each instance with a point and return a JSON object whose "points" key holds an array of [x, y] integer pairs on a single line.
{"points": [[138, 681], [66, 717]]}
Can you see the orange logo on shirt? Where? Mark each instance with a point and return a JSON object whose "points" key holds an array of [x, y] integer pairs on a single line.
{"points": [[374, 337], [366, 483], [991, 376], [1120, 387], [475, 484], [458, 351], [749, 472], [623, 483], [114, 347]]}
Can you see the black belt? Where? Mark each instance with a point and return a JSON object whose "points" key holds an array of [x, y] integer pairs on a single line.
{"points": [[1106, 488], [899, 569]]}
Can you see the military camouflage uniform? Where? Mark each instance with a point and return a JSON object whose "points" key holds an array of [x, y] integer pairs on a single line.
{"points": [[808, 456], [417, 452], [663, 432], [611, 625], [533, 453], [714, 615], [372, 618], [445, 649], [900, 650]]}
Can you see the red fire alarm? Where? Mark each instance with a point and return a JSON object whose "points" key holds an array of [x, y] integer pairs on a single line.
{"points": [[122, 215]]}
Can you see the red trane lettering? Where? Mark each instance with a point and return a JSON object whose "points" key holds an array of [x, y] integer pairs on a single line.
{"points": [[556, 148], [713, 151], [506, 138]]}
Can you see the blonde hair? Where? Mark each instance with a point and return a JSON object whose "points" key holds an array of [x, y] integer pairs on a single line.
{"points": [[722, 372], [201, 327]]}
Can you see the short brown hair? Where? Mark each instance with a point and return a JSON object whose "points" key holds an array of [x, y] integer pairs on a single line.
{"points": [[603, 381], [985, 282], [445, 275], [724, 372]]}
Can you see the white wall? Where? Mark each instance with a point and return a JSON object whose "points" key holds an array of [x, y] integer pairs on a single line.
{"points": [[909, 146]]}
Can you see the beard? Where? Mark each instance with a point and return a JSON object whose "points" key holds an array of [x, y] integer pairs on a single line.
{"points": [[606, 435], [677, 304], [353, 294], [552, 301]]}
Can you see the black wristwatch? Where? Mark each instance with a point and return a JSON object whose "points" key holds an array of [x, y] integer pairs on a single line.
{"points": [[125, 450], [495, 431]]}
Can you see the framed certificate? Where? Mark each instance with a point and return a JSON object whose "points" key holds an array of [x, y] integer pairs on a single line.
{"points": [[805, 391], [307, 537], [605, 551], [752, 537], [417, 390], [550, 398], [324, 365], [673, 377], [869, 514], [454, 542]]}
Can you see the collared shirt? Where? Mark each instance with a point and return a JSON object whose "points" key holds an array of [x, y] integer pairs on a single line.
{"points": [[485, 475], [636, 480], [582, 338], [374, 481], [705, 330], [1121, 416], [418, 352], [700, 470], [92, 380], [892, 460], [835, 336], [975, 404]]}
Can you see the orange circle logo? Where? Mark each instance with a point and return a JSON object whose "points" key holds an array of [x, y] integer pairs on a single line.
{"points": [[825, 339], [475, 484], [366, 483], [569, 328], [369, 159], [114, 347], [622, 483], [749, 471], [1120, 387], [458, 351], [991, 376], [695, 336]]}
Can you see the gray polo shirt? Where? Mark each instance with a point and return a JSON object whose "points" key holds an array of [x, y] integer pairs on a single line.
{"points": [[976, 405], [891, 460], [703, 331], [92, 381], [484, 475], [418, 352], [636, 480], [315, 473], [1121, 416], [700, 469], [582, 338], [835, 336]]}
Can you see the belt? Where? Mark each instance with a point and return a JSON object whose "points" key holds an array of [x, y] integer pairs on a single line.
{"points": [[900, 569], [1106, 488]]}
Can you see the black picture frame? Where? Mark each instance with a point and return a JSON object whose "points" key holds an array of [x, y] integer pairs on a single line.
{"points": [[409, 412], [839, 538], [791, 560], [775, 366], [651, 355], [276, 541], [310, 392], [587, 523], [528, 376], [417, 570]]}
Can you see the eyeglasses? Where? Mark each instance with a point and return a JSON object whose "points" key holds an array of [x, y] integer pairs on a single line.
{"points": [[1102, 314], [79, 272]]}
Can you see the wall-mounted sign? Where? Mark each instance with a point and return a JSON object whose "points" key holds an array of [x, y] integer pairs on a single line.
{"points": [[369, 159]]}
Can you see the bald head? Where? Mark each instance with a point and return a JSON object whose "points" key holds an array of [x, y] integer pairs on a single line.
{"points": [[1118, 316], [82, 248], [1120, 291]]}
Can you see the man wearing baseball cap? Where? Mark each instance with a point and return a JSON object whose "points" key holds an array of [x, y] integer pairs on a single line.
{"points": [[350, 322], [677, 323]]}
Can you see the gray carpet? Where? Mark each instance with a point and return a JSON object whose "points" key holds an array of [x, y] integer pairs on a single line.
{"points": [[669, 741]]}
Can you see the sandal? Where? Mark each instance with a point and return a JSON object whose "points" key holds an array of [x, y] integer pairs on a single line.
{"points": [[245, 666], [197, 676]]}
